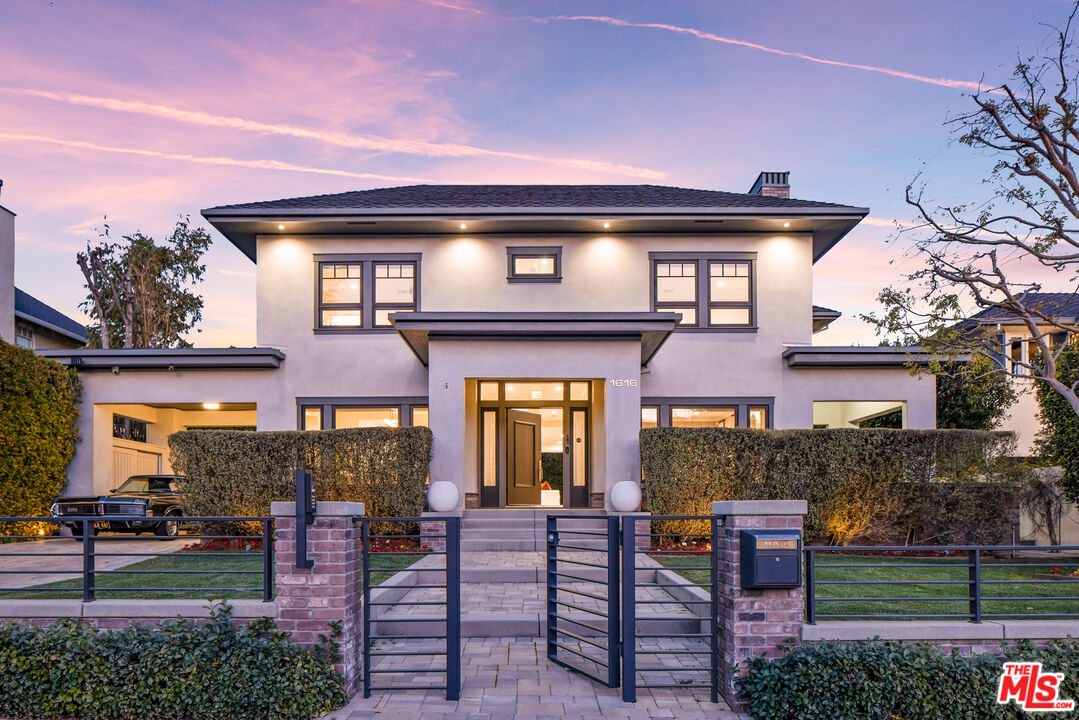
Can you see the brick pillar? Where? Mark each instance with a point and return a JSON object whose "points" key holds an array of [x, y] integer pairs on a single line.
{"points": [[752, 622], [309, 599]]}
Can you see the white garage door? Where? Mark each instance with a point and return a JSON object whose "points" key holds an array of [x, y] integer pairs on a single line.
{"points": [[127, 462]]}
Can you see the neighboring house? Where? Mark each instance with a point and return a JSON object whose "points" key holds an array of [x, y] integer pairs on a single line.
{"points": [[1016, 351], [40, 327], [25, 320], [529, 326]]}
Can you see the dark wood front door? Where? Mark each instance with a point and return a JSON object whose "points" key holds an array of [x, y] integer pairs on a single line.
{"points": [[523, 461]]}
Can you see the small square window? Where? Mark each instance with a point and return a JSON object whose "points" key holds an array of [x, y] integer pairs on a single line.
{"points": [[421, 417], [578, 391], [488, 391], [312, 418], [534, 264]]}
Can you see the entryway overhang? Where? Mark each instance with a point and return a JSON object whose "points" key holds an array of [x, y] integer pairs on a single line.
{"points": [[417, 329]]}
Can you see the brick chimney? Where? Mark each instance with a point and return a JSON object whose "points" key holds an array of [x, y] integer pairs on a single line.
{"points": [[772, 184]]}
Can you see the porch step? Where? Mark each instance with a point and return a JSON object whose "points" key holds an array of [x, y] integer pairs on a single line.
{"points": [[500, 545]]}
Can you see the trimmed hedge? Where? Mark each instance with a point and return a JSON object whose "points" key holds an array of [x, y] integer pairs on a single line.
{"points": [[39, 414], [875, 679], [236, 473], [220, 670], [940, 486]]}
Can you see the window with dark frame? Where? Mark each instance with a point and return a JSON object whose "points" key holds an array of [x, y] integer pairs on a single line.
{"points": [[712, 291], [751, 412], [534, 264], [360, 292], [125, 428]]}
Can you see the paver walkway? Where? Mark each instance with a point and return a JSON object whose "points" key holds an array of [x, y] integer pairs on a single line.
{"points": [[511, 677], [507, 678], [26, 563]]}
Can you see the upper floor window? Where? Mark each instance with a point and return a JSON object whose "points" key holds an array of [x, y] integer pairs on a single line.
{"points": [[534, 264], [24, 336], [359, 292], [711, 291]]}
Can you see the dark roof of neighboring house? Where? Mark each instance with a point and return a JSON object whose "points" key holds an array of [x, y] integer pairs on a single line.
{"points": [[1057, 304], [823, 317], [529, 196], [29, 308]]}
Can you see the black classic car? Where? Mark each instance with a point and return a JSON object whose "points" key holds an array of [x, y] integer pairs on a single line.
{"points": [[146, 498]]}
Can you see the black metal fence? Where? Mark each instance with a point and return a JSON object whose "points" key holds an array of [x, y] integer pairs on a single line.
{"points": [[403, 609], [109, 565], [968, 582], [670, 588], [582, 595]]}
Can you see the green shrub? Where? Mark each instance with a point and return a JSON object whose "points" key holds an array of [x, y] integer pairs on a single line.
{"points": [[1058, 440], [895, 485], [39, 413], [889, 679], [234, 473], [180, 669]]}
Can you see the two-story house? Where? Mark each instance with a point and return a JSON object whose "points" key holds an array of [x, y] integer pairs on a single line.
{"points": [[534, 328]]}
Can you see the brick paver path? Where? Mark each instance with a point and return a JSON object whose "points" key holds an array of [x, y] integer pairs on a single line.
{"points": [[512, 678]]}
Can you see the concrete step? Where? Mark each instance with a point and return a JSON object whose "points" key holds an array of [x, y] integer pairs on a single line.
{"points": [[489, 574], [496, 545], [498, 533]]}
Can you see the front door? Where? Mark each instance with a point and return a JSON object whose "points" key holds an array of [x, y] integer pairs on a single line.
{"points": [[523, 461]]}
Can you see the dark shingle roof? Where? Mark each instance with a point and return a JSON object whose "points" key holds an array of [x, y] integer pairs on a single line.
{"points": [[30, 308], [529, 196], [1058, 304], [818, 310]]}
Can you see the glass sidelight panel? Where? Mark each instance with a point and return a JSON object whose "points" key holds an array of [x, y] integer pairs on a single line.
{"points": [[490, 448], [580, 457], [578, 390], [488, 391]]}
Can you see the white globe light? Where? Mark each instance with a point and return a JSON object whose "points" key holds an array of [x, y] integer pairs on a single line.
{"points": [[442, 496], [625, 496]]}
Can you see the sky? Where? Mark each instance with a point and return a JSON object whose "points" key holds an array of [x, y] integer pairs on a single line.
{"points": [[136, 113]]}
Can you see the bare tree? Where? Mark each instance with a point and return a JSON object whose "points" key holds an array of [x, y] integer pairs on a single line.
{"points": [[982, 254]]}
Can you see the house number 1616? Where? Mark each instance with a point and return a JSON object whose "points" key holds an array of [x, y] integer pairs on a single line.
{"points": [[630, 382]]}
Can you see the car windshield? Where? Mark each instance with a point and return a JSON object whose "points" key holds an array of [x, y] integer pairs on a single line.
{"points": [[135, 484]]}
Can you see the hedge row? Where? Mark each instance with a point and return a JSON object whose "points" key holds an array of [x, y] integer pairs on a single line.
{"points": [[876, 679], [220, 670], [240, 473], [39, 414], [938, 486]]}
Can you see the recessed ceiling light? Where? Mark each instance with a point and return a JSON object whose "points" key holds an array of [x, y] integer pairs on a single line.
{"points": [[606, 225], [211, 406], [280, 227], [463, 226], [786, 224]]}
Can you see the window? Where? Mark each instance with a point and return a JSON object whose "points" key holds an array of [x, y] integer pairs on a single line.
{"points": [[712, 291], [421, 417], [359, 292], [24, 336], [365, 417], [395, 290], [704, 417], [534, 264], [1018, 358], [751, 412], [312, 418], [729, 294], [126, 428], [676, 290]]}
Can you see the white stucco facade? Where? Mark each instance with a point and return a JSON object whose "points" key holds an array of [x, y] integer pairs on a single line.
{"points": [[596, 323]]}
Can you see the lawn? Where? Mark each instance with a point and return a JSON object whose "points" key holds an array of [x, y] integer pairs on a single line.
{"points": [[211, 576], [923, 585]]}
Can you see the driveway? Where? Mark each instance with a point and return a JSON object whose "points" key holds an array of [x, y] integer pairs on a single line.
{"points": [[36, 562]]}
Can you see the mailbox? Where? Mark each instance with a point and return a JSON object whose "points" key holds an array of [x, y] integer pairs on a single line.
{"points": [[771, 559]]}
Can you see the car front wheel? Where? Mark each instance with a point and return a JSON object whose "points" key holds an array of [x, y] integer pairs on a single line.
{"points": [[168, 528]]}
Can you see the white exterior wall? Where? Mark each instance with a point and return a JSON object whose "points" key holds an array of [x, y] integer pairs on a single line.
{"points": [[7, 275], [91, 472], [616, 420]]}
